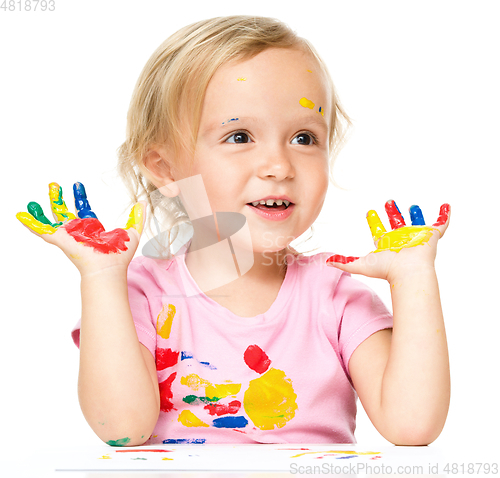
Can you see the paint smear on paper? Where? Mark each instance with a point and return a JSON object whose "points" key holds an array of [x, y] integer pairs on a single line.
{"points": [[166, 394], [306, 103], [230, 422], [144, 451], [104, 457], [91, 233], [340, 452], [166, 458], [166, 358], [270, 400], [120, 442], [256, 359], [175, 441], [164, 321], [189, 419]]}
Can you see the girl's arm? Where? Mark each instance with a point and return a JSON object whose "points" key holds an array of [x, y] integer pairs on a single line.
{"points": [[402, 377], [402, 374], [117, 384]]}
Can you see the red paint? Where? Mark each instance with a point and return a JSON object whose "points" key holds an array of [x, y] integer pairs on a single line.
{"points": [[143, 451], [444, 213], [91, 233], [294, 448], [166, 358], [342, 259], [395, 217], [218, 409], [256, 359], [166, 404]]}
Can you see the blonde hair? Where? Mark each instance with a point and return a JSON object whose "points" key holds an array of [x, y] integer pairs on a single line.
{"points": [[171, 88]]}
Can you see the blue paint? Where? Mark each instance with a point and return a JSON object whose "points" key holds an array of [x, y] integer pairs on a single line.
{"points": [[171, 441], [417, 219], [346, 457], [81, 203], [230, 422], [189, 355], [186, 355], [209, 365]]}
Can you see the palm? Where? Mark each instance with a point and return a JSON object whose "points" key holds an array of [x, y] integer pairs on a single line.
{"points": [[396, 249], [83, 239]]}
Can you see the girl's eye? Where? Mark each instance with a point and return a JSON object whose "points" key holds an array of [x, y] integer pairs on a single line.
{"points": [[239, 138], [304, 138]]}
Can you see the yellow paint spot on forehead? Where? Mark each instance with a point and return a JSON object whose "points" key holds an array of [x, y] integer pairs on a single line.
{"points": [[306, 103], [310, 71], [242, 79]]}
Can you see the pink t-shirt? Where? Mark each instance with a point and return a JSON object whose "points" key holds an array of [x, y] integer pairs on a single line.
{"points": [[279, 377]]}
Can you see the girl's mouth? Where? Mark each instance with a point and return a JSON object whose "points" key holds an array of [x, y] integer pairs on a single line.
{"points": [[274, 212]]}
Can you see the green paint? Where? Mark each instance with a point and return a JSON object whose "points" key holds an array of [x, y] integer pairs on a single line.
{"points": [[120, 442], [194, 398], [60, 201], [37, 212], [139, 458]]}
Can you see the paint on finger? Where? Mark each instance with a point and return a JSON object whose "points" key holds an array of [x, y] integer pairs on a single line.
{"points": [[375, 225], [417, 218], [444, 213], [395, 217], [341, 259], [57, 204], [81, 203], [37, 212], [136, 218], [36, 226]]}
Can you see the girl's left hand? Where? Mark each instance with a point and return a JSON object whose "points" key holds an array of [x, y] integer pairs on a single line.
{"points": [[397, 252]]}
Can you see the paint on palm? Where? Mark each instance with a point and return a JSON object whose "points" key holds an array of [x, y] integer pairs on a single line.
{"points": [[266, 402]]}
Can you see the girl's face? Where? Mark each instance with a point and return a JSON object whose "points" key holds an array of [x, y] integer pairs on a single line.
{"points": [[264, 132]]}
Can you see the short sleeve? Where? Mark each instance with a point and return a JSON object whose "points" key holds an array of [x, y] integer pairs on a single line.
{"points": [[140, 285], [361, 313]]}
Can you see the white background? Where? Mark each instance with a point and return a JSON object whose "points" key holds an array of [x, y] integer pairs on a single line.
{"points": [[419, 79]]}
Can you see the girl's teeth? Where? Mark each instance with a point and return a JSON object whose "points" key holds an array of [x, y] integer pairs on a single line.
{"points": [[270, 202]]}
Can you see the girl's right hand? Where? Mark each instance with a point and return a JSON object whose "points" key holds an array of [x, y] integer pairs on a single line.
{"points": [[84, 239]]}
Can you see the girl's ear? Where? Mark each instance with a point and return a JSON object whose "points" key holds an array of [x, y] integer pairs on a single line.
{"points": [[156, 166]]}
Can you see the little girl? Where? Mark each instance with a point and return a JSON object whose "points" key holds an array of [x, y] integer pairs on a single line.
{"points": [[238, 338]]}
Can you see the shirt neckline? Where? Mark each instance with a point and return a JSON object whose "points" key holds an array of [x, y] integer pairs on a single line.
{"points": [[284, 293]]}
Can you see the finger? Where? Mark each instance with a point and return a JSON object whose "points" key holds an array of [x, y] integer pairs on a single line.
{"points": [[137, 217], [59, 209], [81, 204], [375, 224], [444, 214], [34, 225], [417, 218], [395, 218], [37, 212], [354, 265]]}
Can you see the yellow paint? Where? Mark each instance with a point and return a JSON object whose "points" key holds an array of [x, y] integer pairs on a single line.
{"points": [[164, 321], [105, 457], [270, 400], [306, 103], [194, 381], [222, 390], [165, 459], [397, 239], [189, 419], [57, 204], [242, 79], [344, 452], [136, 217], [36, 226], [310, 71]]}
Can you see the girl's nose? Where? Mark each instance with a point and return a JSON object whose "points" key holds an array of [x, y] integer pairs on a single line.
{"points": [[276, 162]]}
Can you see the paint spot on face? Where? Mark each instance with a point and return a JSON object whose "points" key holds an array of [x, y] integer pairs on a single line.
{"points": [[189, 419], [256, 358], [322, 111], [242, 79], [166, 404], [310, 71], [306, 103], [120, 442], [91, 233], [270, 400], [164, 321], [230, 120]]}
